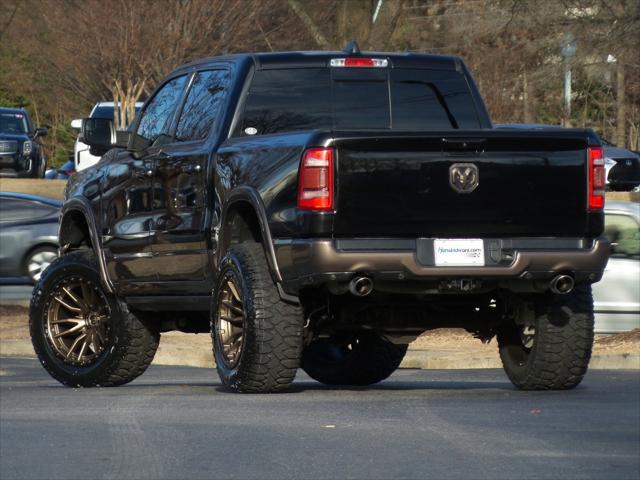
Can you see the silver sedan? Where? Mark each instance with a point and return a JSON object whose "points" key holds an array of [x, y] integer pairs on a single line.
{"points": [[617, 295], [28, 234]]}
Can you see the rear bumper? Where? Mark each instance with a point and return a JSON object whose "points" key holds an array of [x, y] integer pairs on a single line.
{"points": [[406, 265]]}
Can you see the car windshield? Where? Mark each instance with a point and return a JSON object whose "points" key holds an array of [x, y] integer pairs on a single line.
{"points": [[13, 123]]}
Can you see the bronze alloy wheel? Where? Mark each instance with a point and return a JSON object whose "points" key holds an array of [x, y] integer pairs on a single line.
{"points": [[77, 323], [229, 322]]}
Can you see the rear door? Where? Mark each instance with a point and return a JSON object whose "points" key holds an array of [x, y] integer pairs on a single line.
{"points": [[180, 181]]}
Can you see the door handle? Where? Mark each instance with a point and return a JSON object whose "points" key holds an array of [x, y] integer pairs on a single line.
{"points": [[146, 171], [126, 236], [191, 168]]}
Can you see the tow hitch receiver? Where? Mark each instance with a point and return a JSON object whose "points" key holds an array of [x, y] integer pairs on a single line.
{"points": [[460, 285]]}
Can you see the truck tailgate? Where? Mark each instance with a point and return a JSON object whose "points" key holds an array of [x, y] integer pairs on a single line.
{"points": [[529, 183]]}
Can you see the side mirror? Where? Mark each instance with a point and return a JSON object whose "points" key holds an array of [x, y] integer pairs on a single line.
{"points": [[40, 132], [99, 134], [76, 123]]}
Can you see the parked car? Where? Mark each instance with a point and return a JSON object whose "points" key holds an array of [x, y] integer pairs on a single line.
{"points": [[322, 210], [63, 173], [28, 234], [617, 295], [21, 153], [622, 166], [82, 156]]}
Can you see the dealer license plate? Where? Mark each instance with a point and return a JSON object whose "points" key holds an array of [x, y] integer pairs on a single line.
{"points": [[458, 252]]}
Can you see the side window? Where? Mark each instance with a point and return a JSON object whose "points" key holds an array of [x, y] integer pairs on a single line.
{"points": [[624, 234], [156, 119], [203, 105]]}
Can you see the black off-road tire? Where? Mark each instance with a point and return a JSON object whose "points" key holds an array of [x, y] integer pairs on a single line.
{"points": [[562, 343], [130, 346], [272, 342], [363, 359]]}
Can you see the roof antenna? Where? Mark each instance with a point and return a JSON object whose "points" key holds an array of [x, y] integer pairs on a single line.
{"points": [[352, 48]]}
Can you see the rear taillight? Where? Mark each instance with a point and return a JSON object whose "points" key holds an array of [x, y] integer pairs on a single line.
{"points": [[315, 181], [596, 178], [359, 62]]}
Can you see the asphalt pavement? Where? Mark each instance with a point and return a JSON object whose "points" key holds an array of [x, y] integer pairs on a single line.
{"points": [[178, 422]]}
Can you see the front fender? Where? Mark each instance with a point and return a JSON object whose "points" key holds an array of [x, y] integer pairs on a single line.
{"points": [[81, 206]]}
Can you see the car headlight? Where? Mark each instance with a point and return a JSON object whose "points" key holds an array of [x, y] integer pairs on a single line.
{"points": [[26, 148]]}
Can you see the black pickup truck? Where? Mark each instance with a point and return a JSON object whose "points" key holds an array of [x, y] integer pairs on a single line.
{"points": [[321, 210]]}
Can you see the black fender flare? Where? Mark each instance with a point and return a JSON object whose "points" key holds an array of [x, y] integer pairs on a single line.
{"points": [[81, 205], [251, 196]]}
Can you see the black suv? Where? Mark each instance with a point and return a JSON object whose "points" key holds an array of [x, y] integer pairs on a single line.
{"points": [[322, 209], [20, 148]]}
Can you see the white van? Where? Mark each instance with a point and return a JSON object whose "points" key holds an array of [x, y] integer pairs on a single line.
{"points": [[82, 158]]}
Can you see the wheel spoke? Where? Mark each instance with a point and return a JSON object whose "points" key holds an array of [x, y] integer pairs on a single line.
{"points": [[234, 291], [75, 344], [235, 321], [99, 337], [75, 329], [87, 296], [73, 297], [83, 348], [233, 307], [95, 341], [75, 320], [66, 305]]}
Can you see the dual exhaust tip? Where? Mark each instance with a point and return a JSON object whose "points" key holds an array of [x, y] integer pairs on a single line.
{"points": [[363, 286], [562, 284]]}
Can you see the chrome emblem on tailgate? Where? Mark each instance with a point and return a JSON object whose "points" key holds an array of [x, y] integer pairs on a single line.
{"points": [[464, 177]]}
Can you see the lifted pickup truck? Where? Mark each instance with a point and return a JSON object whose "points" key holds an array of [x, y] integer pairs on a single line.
{"points": [[321, 210]]}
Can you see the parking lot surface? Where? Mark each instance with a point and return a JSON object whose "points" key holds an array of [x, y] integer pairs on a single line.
{"points": [[177, 422]]}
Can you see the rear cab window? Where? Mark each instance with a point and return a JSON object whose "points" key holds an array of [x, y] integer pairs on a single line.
{"points": [[401, 99]]}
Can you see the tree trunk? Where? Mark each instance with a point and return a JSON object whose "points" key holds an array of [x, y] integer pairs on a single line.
{"points": [[124, 102], [621, 106]]}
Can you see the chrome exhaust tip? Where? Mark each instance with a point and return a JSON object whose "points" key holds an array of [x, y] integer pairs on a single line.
{"points": [[361, 286], [562, 284]]}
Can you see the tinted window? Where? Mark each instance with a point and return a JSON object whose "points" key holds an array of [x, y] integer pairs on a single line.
{"points": [[156, 119], [14, 209], [321, 98], [284, 100], [431, 100], [13, 123], [202, 106], [360, 98]]}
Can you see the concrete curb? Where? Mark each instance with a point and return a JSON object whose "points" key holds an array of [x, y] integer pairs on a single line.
{"points": [[433, 359]]}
